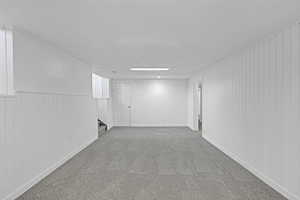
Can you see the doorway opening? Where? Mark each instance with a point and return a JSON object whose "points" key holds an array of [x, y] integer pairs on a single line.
{"points": [[199, 107]]}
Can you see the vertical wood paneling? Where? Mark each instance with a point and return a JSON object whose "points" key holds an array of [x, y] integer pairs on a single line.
{"points": [[251, 108]]}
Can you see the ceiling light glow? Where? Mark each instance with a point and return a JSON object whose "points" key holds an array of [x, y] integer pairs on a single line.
{"points": [[149, 69], [157, 88]]}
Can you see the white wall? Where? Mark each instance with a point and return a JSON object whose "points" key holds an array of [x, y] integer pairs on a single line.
{"points": [[157, 102], [252, 110], [51, 117]]}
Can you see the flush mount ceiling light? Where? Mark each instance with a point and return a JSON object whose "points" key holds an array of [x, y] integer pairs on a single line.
{"points": [[149, 69]]}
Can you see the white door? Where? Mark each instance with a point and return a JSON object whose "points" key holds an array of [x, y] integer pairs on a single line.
{"points": [[121, 97]]}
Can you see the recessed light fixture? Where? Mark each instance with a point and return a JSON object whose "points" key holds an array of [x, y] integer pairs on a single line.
{"points": [[149, 69], [158, 77]]}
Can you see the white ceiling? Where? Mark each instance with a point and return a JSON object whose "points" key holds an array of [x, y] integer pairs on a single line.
{"points": [[118, 34]]}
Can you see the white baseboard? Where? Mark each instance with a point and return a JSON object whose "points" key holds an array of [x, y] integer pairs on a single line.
{"points": [[282, 190], [192, 128], [19, 191], [158, 125]]}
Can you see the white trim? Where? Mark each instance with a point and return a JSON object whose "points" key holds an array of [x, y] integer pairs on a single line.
{"points": [[49, 93], [282, 190], [192, 128], [7, 96], [159, 125], [19, 191]]}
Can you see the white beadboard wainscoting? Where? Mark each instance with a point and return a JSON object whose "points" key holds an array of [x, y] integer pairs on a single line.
{"points": [[38, 132], [251, 108]]}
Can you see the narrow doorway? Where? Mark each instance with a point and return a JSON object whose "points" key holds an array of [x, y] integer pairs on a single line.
{"points": [[199, 107]]}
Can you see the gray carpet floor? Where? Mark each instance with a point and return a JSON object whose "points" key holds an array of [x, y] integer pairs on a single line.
{"points": [[151, 164]]}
